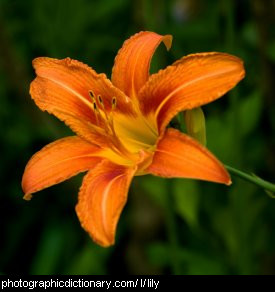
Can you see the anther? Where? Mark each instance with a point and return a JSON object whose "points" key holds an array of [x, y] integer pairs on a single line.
{"points": [[96, 112], [92, 95], [100, 99], [113, 103]]}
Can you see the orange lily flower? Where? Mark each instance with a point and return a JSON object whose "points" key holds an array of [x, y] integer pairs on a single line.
{"points": [[120, 125]]}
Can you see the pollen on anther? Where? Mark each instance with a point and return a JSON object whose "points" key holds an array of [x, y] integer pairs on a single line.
{"points": [[114, 102], [100, 101], [92, 95]]}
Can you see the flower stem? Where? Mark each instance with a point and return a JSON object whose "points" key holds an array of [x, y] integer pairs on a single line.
{"points": [[253, 179]]}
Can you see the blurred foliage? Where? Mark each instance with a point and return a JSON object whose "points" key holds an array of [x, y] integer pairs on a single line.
{"points": [[220, 230]]}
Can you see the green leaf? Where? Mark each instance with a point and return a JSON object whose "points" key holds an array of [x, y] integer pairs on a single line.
{"points": [[195, 261], [199, 263], [49, 251], [250, 109], [158, 254], [156, 188], [186, 196], [220, 137], [90, 260], [250, 34], [271, 51]]}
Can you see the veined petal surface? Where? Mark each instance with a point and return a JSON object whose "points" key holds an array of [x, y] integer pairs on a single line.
{"points": [[190, 82], [62, 87], [132, 63], [57, 162], [178, 155], [102, 197]]}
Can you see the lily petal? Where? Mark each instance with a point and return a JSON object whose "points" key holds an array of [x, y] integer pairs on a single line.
{"points": [[178, 155], [102, 197], [62, 88], [57, 162], [192, 81], [132, 63]]}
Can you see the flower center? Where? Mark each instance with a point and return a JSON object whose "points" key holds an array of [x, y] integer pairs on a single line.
{"points": [[132, 138], [136, 133]]}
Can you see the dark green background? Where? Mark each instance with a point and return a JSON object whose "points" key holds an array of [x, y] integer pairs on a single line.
{"points": [[219, 229]]}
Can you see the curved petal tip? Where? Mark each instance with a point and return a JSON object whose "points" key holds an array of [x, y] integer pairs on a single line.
{"points": [[167, 40], [178, 155], [27, 197]]}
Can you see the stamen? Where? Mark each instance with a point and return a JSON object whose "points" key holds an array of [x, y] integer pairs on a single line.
{"points": [[92, 95], [104, 120], [114, 103], [100, 100], [96, 107], [96, 112], [103, 117]]}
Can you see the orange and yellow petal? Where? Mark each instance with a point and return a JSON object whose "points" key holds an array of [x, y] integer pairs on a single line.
{"points": [[132, 63], [57, 162], [178, 155], [62, 88], [192, 81], [102, 197]]}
